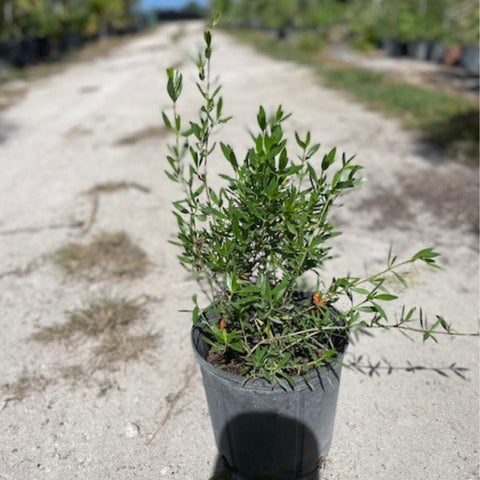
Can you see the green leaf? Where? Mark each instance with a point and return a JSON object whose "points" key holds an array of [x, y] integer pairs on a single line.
{"points": [[208, 37], [229, 155], [386, 297], [262, 119], [313, 150], [400, 279], [195, 315], [426, 253], [292, 228], [219, 107], [259, 144], [300, 143], [237, 346], [361, 291], [329, 158], [229, 282], [288, 378], [443, 323], [167, 122], [367, 309]]}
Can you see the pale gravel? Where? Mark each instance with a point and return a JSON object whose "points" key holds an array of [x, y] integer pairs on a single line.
{"points": [[63, 140]]}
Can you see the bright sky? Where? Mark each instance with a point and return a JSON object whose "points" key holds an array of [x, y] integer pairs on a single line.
{"points": [[167, 4]]}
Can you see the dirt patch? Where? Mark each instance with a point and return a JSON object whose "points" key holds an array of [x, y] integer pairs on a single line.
{"points": [[108, 256], [102, 316], [78, 131], [11, 92], [457, 136], [388, 208], [451, 197], [147, 133], [178, 34], [111, 187], [89, 89]]}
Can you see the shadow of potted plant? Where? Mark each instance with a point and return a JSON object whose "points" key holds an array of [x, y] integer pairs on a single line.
{"points": [[271, 351]]}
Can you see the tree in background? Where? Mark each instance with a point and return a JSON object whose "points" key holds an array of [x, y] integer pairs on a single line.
{"points": [[50, 18]]}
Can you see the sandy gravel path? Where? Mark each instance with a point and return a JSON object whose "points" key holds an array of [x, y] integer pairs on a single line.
{"points": [[99, 122]]}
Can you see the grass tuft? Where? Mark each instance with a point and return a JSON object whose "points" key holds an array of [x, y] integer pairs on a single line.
{"points": [[24, 386], [74, 374], [106, 315], [109, 255]]}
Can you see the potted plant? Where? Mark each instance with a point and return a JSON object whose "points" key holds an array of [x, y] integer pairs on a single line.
{"points": [[270, 349]]}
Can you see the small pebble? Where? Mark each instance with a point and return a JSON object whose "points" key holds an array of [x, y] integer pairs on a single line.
{"points": [[132, 430]]}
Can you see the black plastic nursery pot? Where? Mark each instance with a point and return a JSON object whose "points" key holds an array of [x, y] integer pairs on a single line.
{"points": [[264, 431], [394, 48], [437, 52], [470, 59], [418, 49]]}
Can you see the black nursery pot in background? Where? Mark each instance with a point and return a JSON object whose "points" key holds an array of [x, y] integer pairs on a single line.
{"points": [[418, 49], [470, 59], [265, 431], [437, 51], [394, 48]]}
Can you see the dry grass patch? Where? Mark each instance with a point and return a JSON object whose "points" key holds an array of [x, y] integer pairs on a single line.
{"points": [[78, 131], [147, 133], [178, 34], [106, 315], [109, 255], [24, 386], [74, 374], [124, 347], [89, 89]]}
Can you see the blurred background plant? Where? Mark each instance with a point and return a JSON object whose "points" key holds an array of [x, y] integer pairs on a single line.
{"points": [[328, 35], [363, 22], [36, 30], [441, 31], [21, 18]]}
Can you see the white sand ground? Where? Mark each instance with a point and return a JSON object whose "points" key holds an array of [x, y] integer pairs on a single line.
{"points": [[62, 139]]}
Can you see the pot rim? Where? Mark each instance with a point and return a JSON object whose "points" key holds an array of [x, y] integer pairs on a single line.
{"points": [[317, 376]]}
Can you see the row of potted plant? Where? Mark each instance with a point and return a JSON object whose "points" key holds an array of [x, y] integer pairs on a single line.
{"points": [[438, 30], [39, 30], [466, 56]]}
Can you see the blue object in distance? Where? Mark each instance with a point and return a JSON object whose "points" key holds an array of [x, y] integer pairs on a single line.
{"points": [[146, 5]]}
